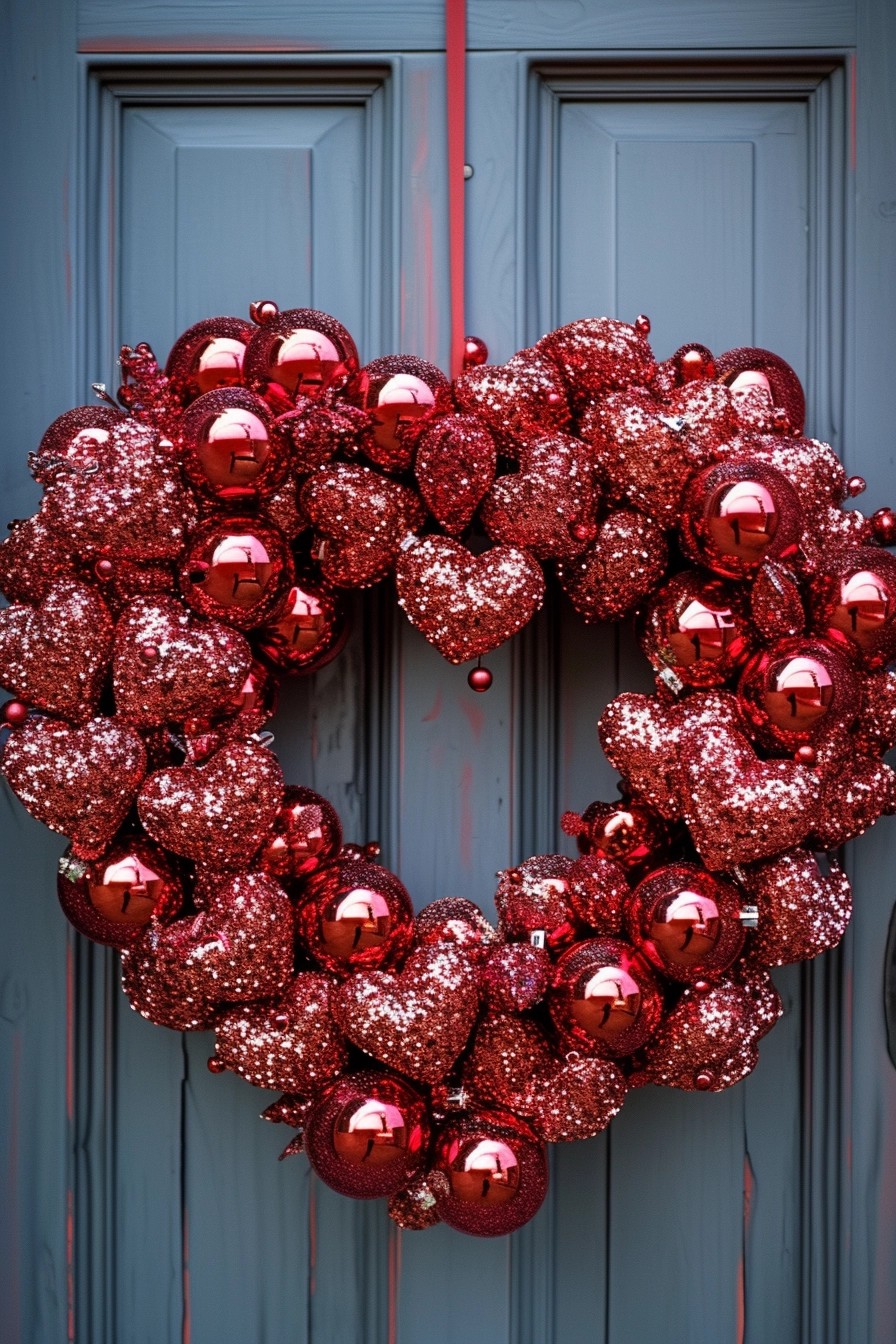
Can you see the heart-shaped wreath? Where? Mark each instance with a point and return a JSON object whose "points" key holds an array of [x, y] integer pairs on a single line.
{"points": [[192, 546]]}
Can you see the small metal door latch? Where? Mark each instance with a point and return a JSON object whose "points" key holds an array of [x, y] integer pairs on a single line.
{"points": [[890, 988]]}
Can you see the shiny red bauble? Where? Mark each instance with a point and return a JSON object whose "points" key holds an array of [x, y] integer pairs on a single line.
{"points": [[255, 702], [306, 833], [208, 355], [230, 449], [112, 899], [738, 514], [367, 1134], [604, 999], [853, 603], [397, 391], [492, 1174], [355, 915], [686, 922], [299, 353], [628, 833], [238, 570], [697, 627], [798, 691], [307, 632]]}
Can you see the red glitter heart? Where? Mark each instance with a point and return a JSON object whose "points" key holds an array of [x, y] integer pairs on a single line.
{"points": [[416, 1020], [54, 656], [467, 605], [170, 666], [539, 506], [80, 781], [364, 517], [289, 1043], [218, 812]]}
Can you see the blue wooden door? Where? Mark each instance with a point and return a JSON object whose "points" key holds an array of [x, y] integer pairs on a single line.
{"points": [[172, 162]]}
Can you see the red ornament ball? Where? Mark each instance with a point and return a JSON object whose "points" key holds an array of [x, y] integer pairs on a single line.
{"points": [[686, 922], [397, 391], [853, 603], [112, 899], [475, 352], [306, 833], [208, 355], [308, 632], [230, 449], [628, 833], [495, 1170], [697, 627], [479, 679], [366, 1136], [238, 570], [355, 916], [738, 514], [604, 999], [299, 352], [798, 691]]}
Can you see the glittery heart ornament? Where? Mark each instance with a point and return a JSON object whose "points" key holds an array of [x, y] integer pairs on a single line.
{"points": [[467, 605], [364, 517], [455, 465], [574, 1100], [240, 947], [170, 665], [640, 451], [740, 808], [416, 1020], [802, 912], [32, 559], [290, 1042], [507, 1052], [701, 1033], [855, 792], [216, 812], [621, 566], [597, 354], [54, 656], [134, 503], [524, 396], [640, 738], [542, 506], [80, 781]]}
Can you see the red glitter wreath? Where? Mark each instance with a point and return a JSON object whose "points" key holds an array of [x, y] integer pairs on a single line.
{"points": [[193, 544]]}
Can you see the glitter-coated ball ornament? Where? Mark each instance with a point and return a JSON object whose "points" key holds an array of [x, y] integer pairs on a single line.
{"points": [[216, 812], [398, 391], [113, 898], [367, 1134], [598, 354], [416, 1020], [466, 604], [604, 998], [80, 781], [230, 449], [686, 922], [707, 1042], [170, 666], [497, 1173], [355, 916], [308, 631], [629, 833], [306, 833], [696, 628], [784, 386], [574, 1100], [797, 691], [853, 603], [55, 656], [457, 921], [414, 1208], [599, 892], [237, 570], [208, 355], [32, 559], [301, 352], [801, 910], [515, 977], [73, 441], [533, 901], [737, 514], [289, 1041]]}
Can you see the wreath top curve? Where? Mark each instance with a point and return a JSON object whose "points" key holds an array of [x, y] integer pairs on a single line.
{"points": [[194, 543]]}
